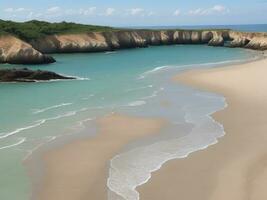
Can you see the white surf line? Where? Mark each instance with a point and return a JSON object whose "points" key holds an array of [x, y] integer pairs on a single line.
{"points": [[90, 96], [139, 88], [39, 123], [30, 152], [110, 52], [143, 75], [22, 140], [158, 69], [5, 135], [154, 94], [37, 111], [136, 103], [124, 184], [75, 78], [81, 78], [81, 123]]}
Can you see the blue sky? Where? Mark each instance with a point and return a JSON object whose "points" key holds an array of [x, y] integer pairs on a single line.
{"points": [[138, 12]]}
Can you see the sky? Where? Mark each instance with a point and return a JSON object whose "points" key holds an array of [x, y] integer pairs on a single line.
{"points": [[138, 12]]}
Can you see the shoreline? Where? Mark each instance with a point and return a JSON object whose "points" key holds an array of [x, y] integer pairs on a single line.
{"points": [[113, 133], [63, 145], [213, 173]]}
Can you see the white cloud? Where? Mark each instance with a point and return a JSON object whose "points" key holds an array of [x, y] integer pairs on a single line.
{"points": [[109, 11], [140, 12], [10, 10], [87, 11], [217, 9], [57, 11], [136, 11], [54, 9], [20, 9], [198, 11], [177, 12]]}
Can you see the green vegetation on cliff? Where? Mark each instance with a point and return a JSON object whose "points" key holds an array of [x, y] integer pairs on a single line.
{"points": [[36, 29]]}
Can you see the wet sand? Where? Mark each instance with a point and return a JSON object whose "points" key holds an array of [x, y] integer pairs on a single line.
{"points": [[79, 170], [236, 167]]}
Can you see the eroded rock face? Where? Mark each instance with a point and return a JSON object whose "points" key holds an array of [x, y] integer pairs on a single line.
{"points": [[26, 75], [94, 42], [13, 50], [257, 41], [16, 51], [239, 42], [206, 36], [216, 41]]}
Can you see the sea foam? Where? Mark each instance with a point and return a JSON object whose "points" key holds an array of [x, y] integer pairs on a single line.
{"points": [[137, 103], [20, 141], [37, 111], [36, 124], [132, 168]]}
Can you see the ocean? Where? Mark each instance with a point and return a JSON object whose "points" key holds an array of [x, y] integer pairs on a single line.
{"points": [[237, 27], [131, 82]]}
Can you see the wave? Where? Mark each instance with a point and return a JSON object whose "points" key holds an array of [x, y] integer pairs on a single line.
{"points": [[5, 135], [21, 140], [37, 111], [68, 114], [136, 103], [139, 88], [182, 67], [76, 78], [154, 94], [110, 52], [123, 180], [90, 96], [84, 121], [81, 78], [133, 168], [37, 123], [157, 69], [48, 138], [42, 121]]}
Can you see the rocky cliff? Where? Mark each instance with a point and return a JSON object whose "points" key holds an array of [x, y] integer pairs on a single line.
{"points": [[13, 50], [94, 42], [16, 51], [257, 41]]}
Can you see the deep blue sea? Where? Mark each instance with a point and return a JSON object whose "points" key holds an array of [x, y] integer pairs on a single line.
{"points": [[242, 27], [133, 82]]}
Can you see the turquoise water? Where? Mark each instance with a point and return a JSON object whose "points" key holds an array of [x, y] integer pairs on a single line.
{"points": [[128, 81]]}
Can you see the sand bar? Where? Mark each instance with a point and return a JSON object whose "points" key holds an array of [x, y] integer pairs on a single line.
{"points": [[79, 170]]}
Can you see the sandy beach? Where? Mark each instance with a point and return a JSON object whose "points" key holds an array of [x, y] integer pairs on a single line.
{"points": [[79, 170], [236, 167]]}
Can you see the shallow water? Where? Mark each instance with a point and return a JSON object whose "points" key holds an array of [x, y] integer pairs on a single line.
{"points": [[134, 82]]}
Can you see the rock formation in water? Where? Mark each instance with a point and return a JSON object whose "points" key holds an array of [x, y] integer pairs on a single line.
{"points": [[26, 75], [13, 50]]}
